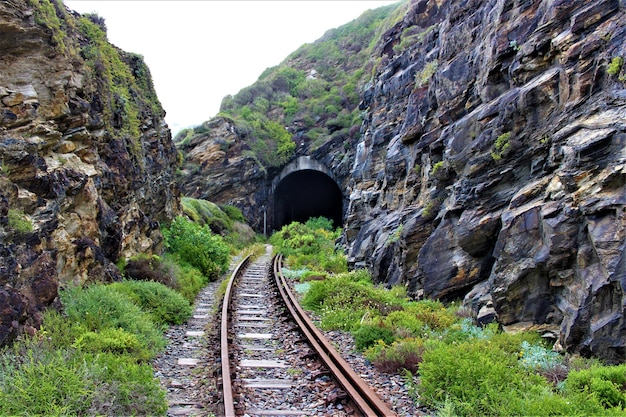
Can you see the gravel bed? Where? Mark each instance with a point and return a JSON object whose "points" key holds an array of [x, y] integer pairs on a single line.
{"points": [[393, 389], [194, 390], [191, 390]]}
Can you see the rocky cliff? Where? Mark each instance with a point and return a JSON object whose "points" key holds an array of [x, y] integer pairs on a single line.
{"points": [[87, 159], [490, 165], [494, 153]]}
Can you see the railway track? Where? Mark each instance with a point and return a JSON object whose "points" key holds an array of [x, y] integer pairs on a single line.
{"points": [[274, 361]]}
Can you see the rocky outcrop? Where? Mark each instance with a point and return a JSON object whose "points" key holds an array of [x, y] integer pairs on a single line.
{"points": [[493, 165], [87, 159], [490, 166], [218, 168]]}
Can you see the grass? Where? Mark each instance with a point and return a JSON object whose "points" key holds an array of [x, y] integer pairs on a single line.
{"points": [[93, 358], [454, 366]]}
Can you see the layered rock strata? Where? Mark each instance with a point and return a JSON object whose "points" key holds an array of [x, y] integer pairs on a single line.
{"points": [[490, 167], [87, 159], [493, 166]]}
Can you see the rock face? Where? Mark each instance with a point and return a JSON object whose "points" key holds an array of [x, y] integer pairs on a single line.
{"points": [[490, 167], [495, 152], [87, 159]]}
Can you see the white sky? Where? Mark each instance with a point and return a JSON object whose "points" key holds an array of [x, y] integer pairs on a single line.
{"points": [[200, 51]]}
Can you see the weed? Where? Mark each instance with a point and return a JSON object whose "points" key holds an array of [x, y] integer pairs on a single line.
{"points": [[424, 76], [501, 147], [19, 222], [615, 66], [436, 167]]}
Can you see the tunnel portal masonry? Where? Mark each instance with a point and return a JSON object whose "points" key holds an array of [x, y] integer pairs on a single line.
{"points": [[306, 188]]}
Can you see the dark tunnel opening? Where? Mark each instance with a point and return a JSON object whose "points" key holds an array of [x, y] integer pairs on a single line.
{"points": [[305, 194]]}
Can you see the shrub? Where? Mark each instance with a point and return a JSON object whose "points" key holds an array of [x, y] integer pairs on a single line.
{"points": [[502, 146], [163, 304], [19, 222], [38, 381], [431, 313], [616, 65], [110, 340], [126, 388], [607, 384], [101, 307], [367, 335], [204, 212], [233, 213], [405, 322], [150, 268], [189, 280], [197, 246], [310, 245], [402, 354], [478, 378]]}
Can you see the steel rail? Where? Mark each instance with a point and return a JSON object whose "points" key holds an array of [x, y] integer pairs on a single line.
{"points": [[227, 386], [364, 398]]}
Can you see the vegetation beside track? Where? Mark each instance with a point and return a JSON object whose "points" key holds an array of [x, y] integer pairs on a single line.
{"points": [[450, 363], [92, 356]]}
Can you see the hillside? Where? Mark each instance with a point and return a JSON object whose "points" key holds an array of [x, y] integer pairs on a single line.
{"points": [[485, 161]]}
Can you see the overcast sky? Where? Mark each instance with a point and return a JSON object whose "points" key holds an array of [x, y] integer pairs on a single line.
{"points": [[200, 51]]}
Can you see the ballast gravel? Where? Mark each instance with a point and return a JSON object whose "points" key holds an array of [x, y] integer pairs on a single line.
{"points": [[193, 390]]}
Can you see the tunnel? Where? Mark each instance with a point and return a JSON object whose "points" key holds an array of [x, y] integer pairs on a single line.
{"points": [[307, 193]]}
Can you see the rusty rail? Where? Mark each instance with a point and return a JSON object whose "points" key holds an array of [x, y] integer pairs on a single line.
{"points": [[362, 395], [227, 386]]}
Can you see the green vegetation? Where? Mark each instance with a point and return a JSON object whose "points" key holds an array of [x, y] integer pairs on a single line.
{"points": [[164, 305], [501, 147], [395, 235], [411, 36], [93, 358], [197, 246], [310, 245], [424, 76], [450, 363], [316, 90], [615, 68], [51, 14], [124, 86], [437, 166], [226, 221], [19, 222], [616, 65]]}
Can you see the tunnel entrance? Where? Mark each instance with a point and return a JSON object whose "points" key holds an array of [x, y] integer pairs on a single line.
{"points": [[304, 194]]}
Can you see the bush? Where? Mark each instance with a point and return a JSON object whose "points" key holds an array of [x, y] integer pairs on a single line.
{"points": [[110, 340], [126, 388], [189, 280], [101, 307], [38, 378], [150, 268], [479, 379], [233, 213], [607, 384], [402, 354], [38, 381], [368, 335], [197, 246], [163, 304], [405, 322]]}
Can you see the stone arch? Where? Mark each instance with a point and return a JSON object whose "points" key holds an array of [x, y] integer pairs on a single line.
{"points": [[306, 188]]}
